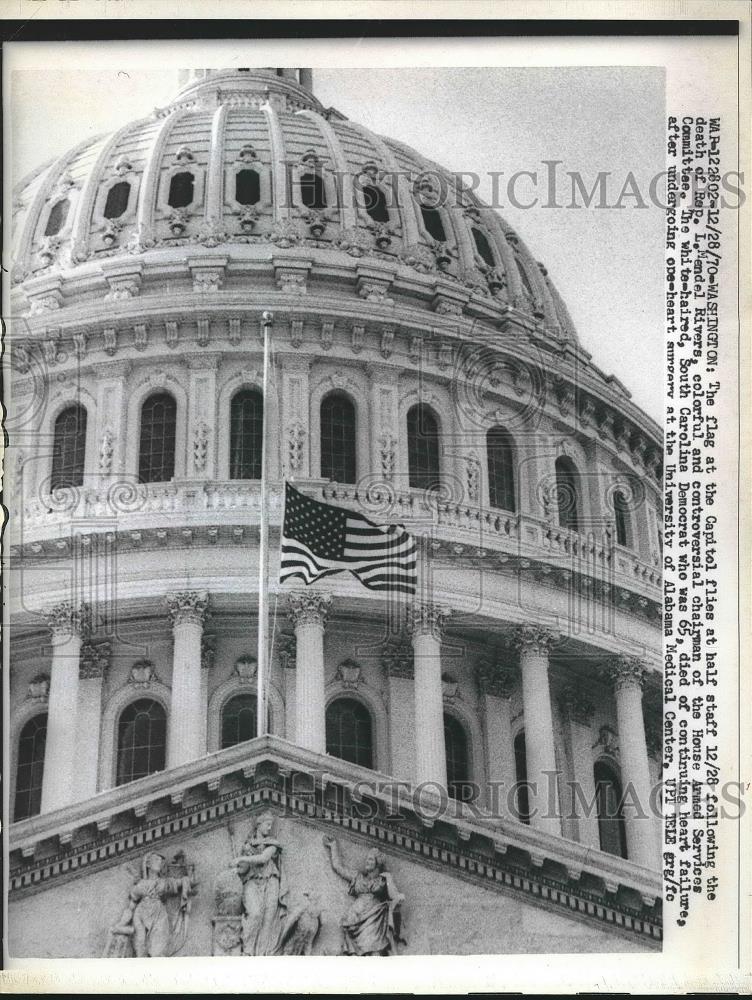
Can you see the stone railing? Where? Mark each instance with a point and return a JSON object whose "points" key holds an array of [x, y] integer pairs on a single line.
{"points": [[467, 529]]}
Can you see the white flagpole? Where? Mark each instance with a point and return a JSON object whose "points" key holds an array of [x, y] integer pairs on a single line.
{"points": [[267, 318]]}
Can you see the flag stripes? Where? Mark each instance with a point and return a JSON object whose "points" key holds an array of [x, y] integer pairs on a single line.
{"points": [[319, 539]]}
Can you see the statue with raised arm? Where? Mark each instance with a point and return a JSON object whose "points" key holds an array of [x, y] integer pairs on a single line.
{"points": [[373, 923], [260, 870]]}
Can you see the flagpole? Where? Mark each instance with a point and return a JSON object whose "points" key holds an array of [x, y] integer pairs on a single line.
{"points": [[267, 319]]}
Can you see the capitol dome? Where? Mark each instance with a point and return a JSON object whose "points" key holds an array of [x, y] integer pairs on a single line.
{"points": [[427, 372]]}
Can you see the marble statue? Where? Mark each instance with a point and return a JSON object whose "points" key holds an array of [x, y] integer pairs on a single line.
{"points": [[264, 906], [147, 928], [373, 923]]}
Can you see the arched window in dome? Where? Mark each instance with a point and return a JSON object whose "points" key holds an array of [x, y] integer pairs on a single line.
{"points": [[69, 448], [246, 434], [247, 187], [238, 720], [457, 757], [142, 740], [522, 796], [156, 452], [181, 190], [338, 438], [608, 795], [500, 452], [483, 246], [433, 223], [374, 202], [621, 518], [568, 493], [349, 731], [312, 192], [117, 200], [57, 217], [30, 768], [422, 448]]}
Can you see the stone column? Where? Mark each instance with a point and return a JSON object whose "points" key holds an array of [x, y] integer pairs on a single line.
{"points": [[397, 660], [308, 610], [61, 754], [578, 712], [627, 675], [496, 681], [534, 644], [186, 729], [426, 625], [286, 647], [93, 665]]}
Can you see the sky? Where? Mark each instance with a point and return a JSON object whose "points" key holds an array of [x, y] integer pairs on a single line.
{"points": [[606, 262]]}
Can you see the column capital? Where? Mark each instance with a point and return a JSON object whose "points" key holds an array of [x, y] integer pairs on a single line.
{"points": [[427, 619], [397, 657], [576, 704], [67, 618], [496, 678], [533, 638], [626, 672], [308, 607], [94, 660], [187, 606]]}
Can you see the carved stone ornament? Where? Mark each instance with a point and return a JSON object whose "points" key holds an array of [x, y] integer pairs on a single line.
{"points": [[287, 646], [296, 436], [427, 619], [349, 673], [626, 672], [285, 233], [200, 446], [141, 336], [208, 279], [373, 290], [291, 280], [39, 688], [387, 341], [449, 687], [398, 658], [327, 335], [245, 668], [95, 660], [373, 922], [67, 619], [208, 651], [576, 705], [154, 923], [106, 451], [296, 332], [533, 639], [472, 472], [387, 454], [110, 340], [353, 242], [308, 607], [188, 606], [142, 674], [357, 336], [171, 333]]}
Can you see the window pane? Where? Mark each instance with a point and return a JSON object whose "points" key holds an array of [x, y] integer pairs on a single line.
{"points": [[611, 829], [246, 434], [374, 202], [30, 768], [348, 732], [142, 740], [181, 190], [247, 187], [501, 490], [312, 192], [432, 222], [423, 448], [620, 516], [238, 720], [458, 771], [338, 439], [483, 247], [69, 448], [117, 200], [156, 454], [56, 218], [567, 494]]}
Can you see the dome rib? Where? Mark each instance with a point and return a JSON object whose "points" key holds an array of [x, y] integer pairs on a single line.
{"points": [[147, 201], [214, 176], [281, 207], [348, 212]]}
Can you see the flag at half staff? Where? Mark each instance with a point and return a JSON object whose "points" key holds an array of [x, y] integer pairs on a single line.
{"points": [[319, 539]]}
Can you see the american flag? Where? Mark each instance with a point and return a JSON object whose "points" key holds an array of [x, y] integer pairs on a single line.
{"points": [[319, 539]]}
